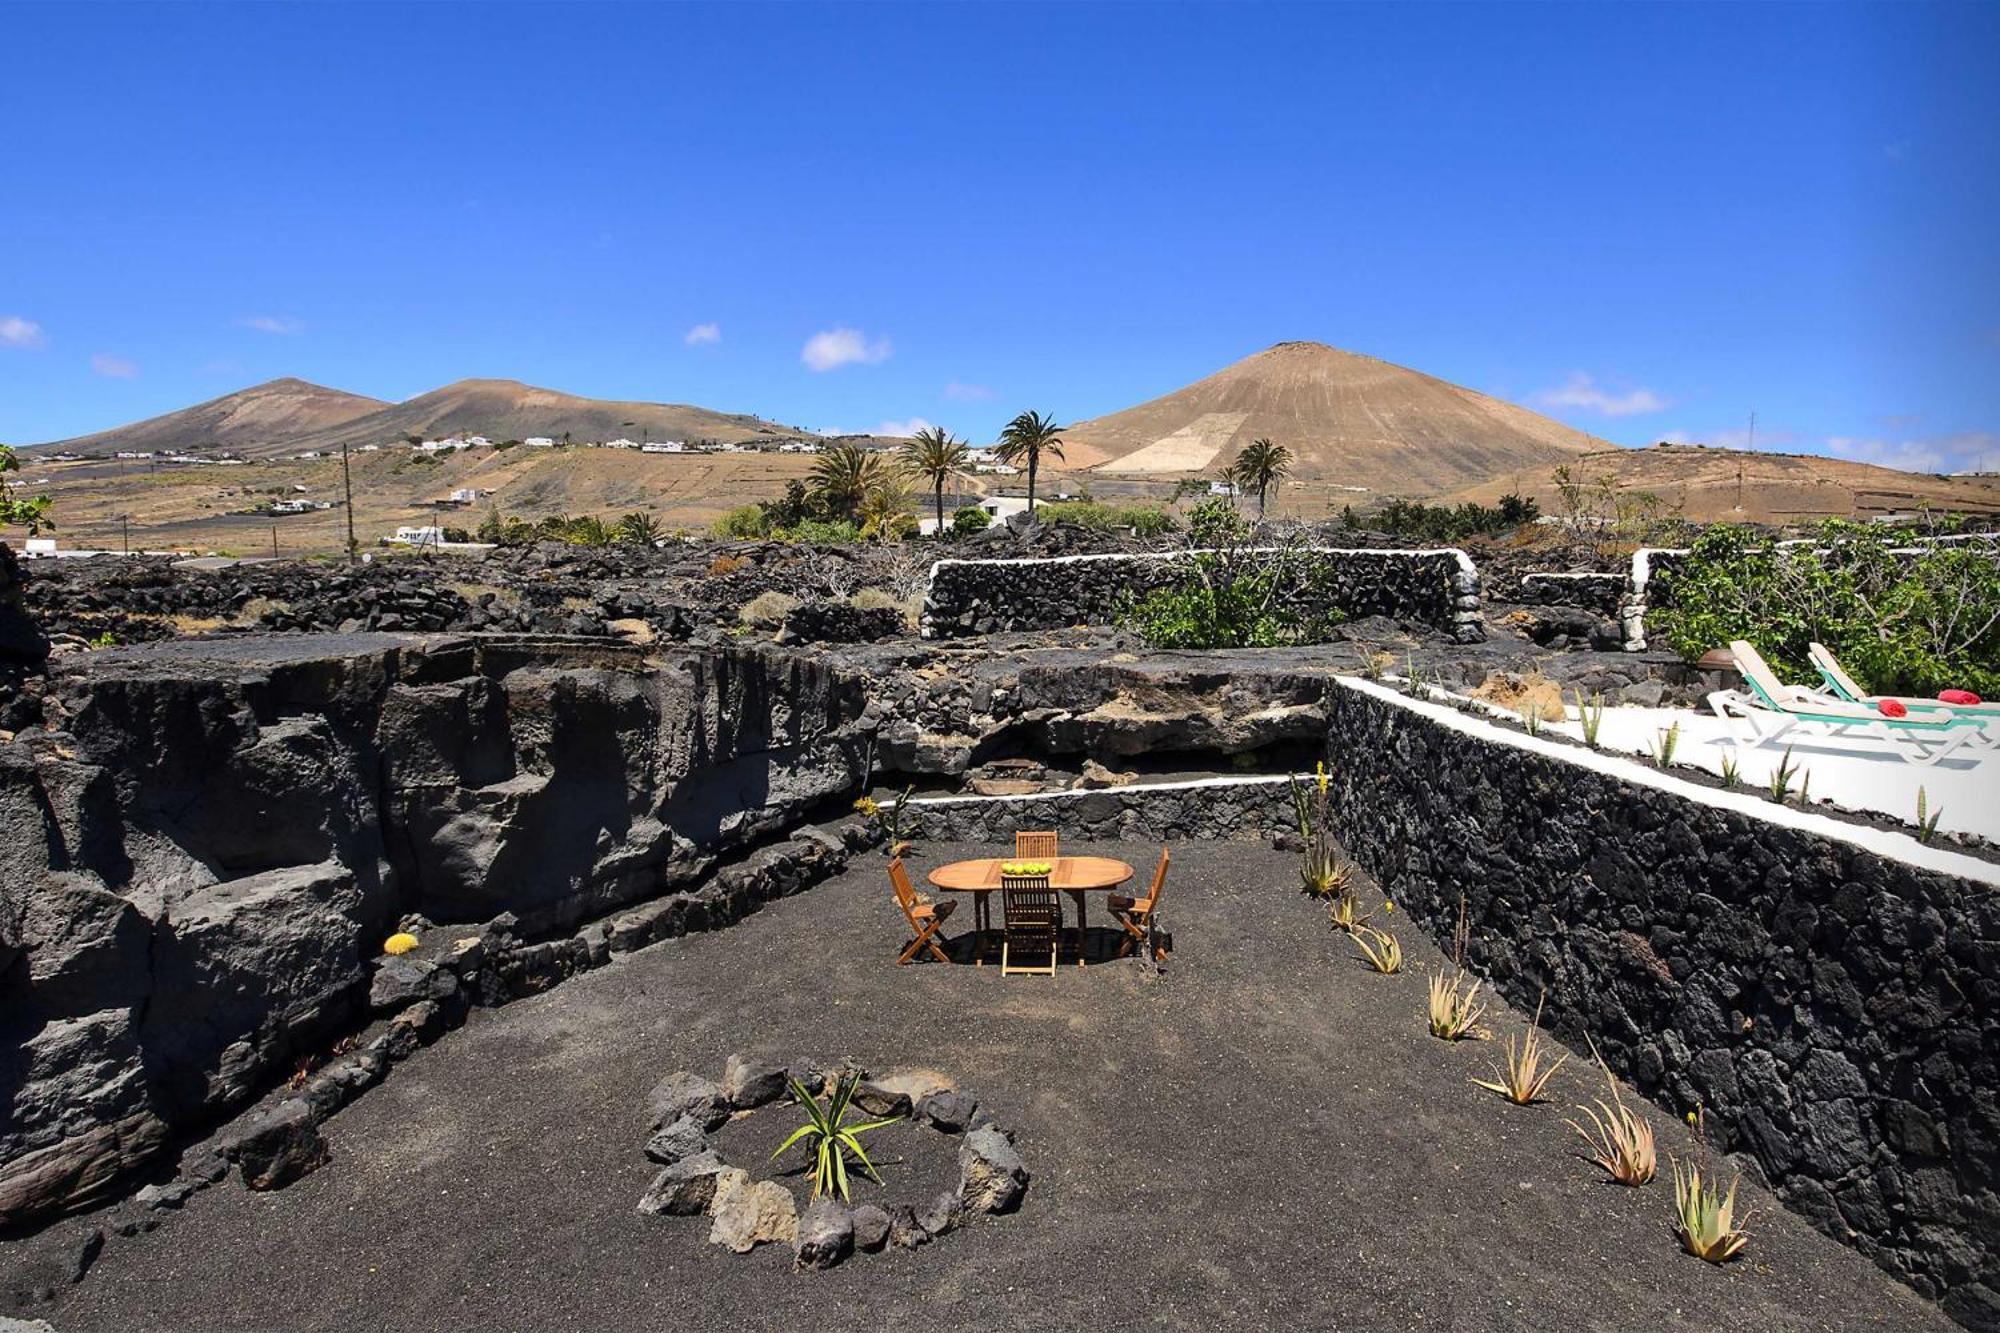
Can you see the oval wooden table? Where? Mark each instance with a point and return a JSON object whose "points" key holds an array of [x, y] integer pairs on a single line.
{"points": [[1074, 875]]}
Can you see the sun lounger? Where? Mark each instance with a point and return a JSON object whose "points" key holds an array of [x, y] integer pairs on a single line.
{"points": [[1771, 711], [1843, 687]]}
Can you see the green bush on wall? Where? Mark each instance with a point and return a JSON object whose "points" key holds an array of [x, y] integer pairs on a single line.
{"points": [[1913, 622]]}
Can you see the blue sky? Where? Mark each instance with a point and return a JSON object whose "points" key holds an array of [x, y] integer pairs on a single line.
{"points": [[1646, 221]]}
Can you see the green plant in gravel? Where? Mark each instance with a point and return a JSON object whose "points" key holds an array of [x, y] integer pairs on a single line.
{"points": [[1906, 620], [1732, 771], [1664, 747], [1233, 596], [1415, 683], [1453, 1006], [828, 1136], [1590, 714], [1531, 718], [1323, 873], [1927, 819], [1704, 1214], [1782, 776]]}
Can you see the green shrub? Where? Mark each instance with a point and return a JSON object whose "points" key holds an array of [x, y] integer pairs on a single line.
{"points": [[743, 522], [1145, 520], [1903, 624], [969, 520], [1215, 522], [1232, 598], [826, 533]]}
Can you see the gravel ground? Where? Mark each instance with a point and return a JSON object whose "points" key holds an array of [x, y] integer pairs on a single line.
{"points": [[1264, 1137]]}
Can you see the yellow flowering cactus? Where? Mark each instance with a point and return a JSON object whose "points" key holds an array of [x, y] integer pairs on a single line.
{"points": [[399, 943]]}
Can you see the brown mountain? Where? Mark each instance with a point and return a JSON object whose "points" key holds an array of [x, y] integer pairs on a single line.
{"points": [[250, 420], [1349, 420], [290, 416], [1733, 485], [508, 409]]}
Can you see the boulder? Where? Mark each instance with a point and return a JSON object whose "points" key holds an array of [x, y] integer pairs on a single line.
{"points": [[278, 1146], [684, 1094], [871, 1228], [991, 1175], [685, 1189], [904, 1233], [939, 1215], [403, 980], [679, 1141], [949, 1110], [878, 1100], [825, 1234], [758, 1214], [747, 1083]]}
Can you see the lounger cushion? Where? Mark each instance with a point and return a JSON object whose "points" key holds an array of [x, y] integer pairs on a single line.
{"points": [[1963, 697], [1891, 708]]}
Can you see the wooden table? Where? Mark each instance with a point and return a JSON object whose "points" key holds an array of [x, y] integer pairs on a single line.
{"points": [[1074, 875]]}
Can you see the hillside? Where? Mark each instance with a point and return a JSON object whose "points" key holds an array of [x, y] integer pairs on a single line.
{"points": [[508, 409], [251, 419], [290, 416], [1733, 485], [1349, 420]]}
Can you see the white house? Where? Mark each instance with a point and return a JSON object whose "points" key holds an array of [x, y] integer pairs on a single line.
{"points": [[663, 447], [1222, 488], [999, 508], [371, 448], [466, 495], [423, 535], [539, 442], [621, 444], [799, 447]]}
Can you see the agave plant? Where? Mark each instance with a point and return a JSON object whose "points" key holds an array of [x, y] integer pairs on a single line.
{"points": [[829, 1136], [1382, 951], [1454, 1009], [1619, 1141], [1523, 1077], [1704, 1213], [1590, 713]]}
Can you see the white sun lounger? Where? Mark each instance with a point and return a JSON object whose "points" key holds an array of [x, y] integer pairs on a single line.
{"points": [[1842, 686], [1771, 711]]}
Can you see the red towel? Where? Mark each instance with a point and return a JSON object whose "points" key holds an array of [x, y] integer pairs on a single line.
{"points": [[1891, 708], [1957, 697]]}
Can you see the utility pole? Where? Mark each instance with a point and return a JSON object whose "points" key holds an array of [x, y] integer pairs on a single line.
{"points": [[347, 484], [274, 541], [125, 531]]}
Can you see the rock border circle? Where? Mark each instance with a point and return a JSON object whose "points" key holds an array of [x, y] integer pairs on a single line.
{"points": [[685, 1110]]}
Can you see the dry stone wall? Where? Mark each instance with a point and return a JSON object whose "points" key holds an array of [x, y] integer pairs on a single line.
{"points": [[1438, 588], [1834, 1008]]}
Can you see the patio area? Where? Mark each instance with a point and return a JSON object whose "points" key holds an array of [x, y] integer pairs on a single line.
{"points": [[1263, 1136]]}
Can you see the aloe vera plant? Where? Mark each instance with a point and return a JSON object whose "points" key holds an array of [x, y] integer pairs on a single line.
{"points": [[829, 1136], [1782, 775], [1664, 747], [1590, 714], [1927, 819]]}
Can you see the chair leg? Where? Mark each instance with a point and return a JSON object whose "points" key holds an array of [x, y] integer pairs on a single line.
{"points": [[926, 936]]}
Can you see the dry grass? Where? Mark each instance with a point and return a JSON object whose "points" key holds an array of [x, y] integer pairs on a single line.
{"points": [[1526, 694], [505, 598], [1618, 1139], [1524, 1076], [726, 564], [254, 610], [1454, 1008], [767, 610], [185, 624]]}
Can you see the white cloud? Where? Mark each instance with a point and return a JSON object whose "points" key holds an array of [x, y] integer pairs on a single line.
{"points": [[902, 428], [18, 332], [703, 333], [967, 393], [282, 325], [1967, 451], [1582, 392], [114, 367], [833, 348]]}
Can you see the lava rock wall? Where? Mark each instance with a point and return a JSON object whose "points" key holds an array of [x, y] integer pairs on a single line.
{"points": [[1208, 811], [204, 845], [1438, 588], [1837, 1012]]}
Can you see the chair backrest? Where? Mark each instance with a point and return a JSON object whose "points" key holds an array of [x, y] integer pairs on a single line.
{"points": [[1036, 845], [1159, 882], [899, 880], [1029, 906], [1758, 673], [1829, 666]]}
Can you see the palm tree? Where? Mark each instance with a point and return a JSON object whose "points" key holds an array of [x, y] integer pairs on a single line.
{"points": [[886, 501], [936, 457], [1024, 441], [1260, 466], [843, 475]]}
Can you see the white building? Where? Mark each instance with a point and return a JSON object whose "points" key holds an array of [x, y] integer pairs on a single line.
{"points": [[466, 495], [799, 447], [999, 508], [663, 447], [371, 448], [539, 442]]}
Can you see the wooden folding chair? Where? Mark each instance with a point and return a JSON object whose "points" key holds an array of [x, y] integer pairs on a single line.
{"points": [[1033, 917], [1138, 915], [924, 918], [1036, 846]]}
